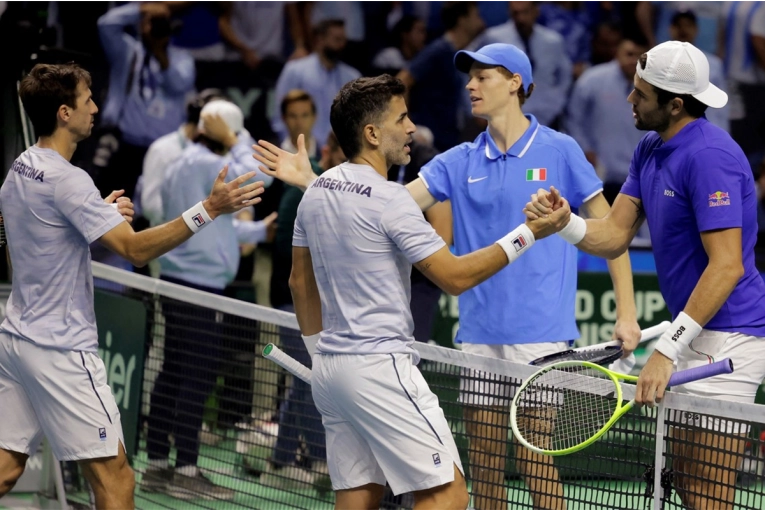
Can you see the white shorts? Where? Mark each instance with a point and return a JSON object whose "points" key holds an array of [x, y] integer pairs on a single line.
{"points": [[382, 422], [480, 388], [748, 355], [61, 394]]}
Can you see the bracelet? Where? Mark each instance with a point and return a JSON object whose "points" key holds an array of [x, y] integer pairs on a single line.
{"points": [[575, 231], [517, 242], [680, 334], [196, 218], [310, 342]]}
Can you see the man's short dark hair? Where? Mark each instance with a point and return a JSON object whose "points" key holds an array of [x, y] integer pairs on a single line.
{"points": [[686, 14], [361, 102], [451, 12], [693, 106], [296, 96], [46, 88], [322, 28]]}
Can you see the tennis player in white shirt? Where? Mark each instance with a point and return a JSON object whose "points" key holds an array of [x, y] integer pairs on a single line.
{"points": [[52, 381]]}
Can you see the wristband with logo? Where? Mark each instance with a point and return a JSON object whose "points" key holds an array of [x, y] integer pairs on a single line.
{"points": [[196, 218], [517, 242], [680, 334]]}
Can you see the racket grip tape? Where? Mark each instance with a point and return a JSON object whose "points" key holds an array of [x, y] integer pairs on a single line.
{"points": [[724, 366], [287, 362]]}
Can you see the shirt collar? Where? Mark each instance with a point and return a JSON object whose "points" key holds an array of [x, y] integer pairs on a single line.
{"points": [[520, 147], [684, 137]]}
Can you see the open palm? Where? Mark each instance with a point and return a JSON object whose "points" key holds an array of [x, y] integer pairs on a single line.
{"points": [[294, 169]]}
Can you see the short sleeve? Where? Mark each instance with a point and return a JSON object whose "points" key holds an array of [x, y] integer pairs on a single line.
{"points": [[715, 184], [299, 237], [403, 222], [583, 181], [78, 200], [436, 178], [631, 186]]}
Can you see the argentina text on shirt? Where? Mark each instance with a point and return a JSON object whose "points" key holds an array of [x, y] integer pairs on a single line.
{"points": [[27, 171], [337, 185]]}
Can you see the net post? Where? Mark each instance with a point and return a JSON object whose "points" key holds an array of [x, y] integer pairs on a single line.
{"points": [[659, 456]]}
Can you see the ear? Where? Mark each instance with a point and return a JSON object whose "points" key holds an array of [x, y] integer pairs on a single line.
{"points": [[371, 135], [676, 106], [64, 113]]}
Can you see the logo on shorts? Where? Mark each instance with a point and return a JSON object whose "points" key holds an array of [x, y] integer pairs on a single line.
{"points": [[102, 434], [436, 459], [198, 220], [519, 243], [719, 198]]}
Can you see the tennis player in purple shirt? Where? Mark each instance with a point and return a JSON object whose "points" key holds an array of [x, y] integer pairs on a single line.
{"points": [[693, 184]]}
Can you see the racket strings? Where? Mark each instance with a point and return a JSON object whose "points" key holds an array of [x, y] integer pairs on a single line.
{"points": [[2, 231], [563, 408], [597, 356]]}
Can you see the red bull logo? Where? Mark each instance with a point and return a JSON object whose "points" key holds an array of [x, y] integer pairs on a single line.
{"points": [[719, 198]]}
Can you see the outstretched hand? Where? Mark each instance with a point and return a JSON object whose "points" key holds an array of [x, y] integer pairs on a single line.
{"points": [[543, 203], [294, 169], [124, 204], [230, 197]]}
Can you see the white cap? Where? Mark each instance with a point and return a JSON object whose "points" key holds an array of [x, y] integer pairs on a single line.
{"points": [[682, 68], [230, 113]]}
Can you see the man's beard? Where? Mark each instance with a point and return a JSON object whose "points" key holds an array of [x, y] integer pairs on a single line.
{"points": [[657, 121], [332, 54]]}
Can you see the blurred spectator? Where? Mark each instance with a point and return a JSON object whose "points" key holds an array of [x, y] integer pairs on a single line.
{"points": [[198, 31], [570, 22], [165, 151], [683, 27], [546, 50], [435, 87], [193, 335], [605, 40], [707, 21], [299, 116], [148, 83], [321, 74], [298, 414], [409, 37], [743, 47], [254, 31], [352, 15], [600, 119]]}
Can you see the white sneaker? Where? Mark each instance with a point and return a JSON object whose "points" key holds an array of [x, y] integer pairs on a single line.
{"points": [[287, 477], [208, 437]]}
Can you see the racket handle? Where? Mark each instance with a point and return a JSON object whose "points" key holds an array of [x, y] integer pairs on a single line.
{"points": [[654, 331], [724, 366], [287, 362]]}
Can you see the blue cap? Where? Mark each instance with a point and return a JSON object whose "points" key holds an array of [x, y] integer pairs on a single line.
{"points": [[498, 54]]}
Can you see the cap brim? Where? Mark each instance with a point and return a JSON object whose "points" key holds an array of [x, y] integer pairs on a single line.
{"points": [[713, 97], [464, 59]]}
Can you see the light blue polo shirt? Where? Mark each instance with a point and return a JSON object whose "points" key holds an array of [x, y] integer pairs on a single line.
{"points": [[533, 299]]}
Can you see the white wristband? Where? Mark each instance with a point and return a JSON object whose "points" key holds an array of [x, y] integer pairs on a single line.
{"points": [[575, 231], [310, 342], [680, 334], [517, 242], [196, 218]]}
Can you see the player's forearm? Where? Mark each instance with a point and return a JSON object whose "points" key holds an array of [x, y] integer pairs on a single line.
{"points": [[712, 290], [604, 240], [624, 292], [305, 297], [474, 268], [151, 243]]}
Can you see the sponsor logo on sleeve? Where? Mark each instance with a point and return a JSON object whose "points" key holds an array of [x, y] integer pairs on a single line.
{"points": [[719, 198]]}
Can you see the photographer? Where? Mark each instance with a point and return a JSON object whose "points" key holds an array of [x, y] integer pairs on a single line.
{"points": [[148, 83]]}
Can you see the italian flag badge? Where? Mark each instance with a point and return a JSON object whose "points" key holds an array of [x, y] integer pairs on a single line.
{"points": [[536, 174]]}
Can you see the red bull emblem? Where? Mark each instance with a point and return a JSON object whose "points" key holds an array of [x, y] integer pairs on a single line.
{"points": [[719, 198]]}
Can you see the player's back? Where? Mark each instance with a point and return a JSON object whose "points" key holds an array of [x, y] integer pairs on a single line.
{"points": [[363, 233], [52, 211]]}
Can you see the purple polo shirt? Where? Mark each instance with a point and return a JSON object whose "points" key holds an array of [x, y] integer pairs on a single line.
{"points": [[698, 181]]}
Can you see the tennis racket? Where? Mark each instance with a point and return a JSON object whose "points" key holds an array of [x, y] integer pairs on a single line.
{"points": [[3, 240], [567, 406], [287, 362], [600, 354]]}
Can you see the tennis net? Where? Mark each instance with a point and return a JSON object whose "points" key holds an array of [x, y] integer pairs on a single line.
{"points": [[261, 444]]}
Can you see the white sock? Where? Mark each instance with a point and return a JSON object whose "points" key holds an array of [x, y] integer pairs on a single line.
{"points": [[188, 470], [158, 463]]}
